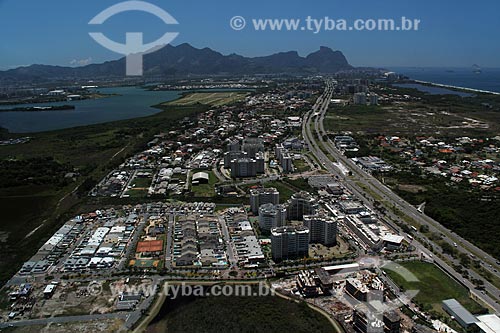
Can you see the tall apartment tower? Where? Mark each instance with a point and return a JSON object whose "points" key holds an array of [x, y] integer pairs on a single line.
{"points": [[322, 229], [289, 242], [262, 196], [300, 204]]}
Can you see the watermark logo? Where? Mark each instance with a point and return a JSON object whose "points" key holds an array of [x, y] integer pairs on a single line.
{"points": [[134, 49], [237, 23], [184, 289], [316, 25]]}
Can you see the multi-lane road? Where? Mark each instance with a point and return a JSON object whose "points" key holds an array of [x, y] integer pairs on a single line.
{"points": [[315, 134]]}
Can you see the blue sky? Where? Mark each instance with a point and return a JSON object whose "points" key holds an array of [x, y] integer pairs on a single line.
{"points": [[452, 33]]}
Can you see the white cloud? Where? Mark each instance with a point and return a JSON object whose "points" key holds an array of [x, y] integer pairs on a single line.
{"points": [[81, 62]]}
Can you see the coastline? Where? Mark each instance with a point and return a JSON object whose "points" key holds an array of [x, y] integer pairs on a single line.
{"points": [[456, 87], [40, 108], [155, 307], [336, 325]]}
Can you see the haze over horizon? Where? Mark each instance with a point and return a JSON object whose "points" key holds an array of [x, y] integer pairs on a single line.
{"points": [[444, 32]]}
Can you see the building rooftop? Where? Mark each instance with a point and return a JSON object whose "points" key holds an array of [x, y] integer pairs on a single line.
{"points": [[489, 323], [459, 311], [200, 175], [289, 229], [393, 238]]}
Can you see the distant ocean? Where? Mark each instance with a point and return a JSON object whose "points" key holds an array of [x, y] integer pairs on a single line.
{"points": [[488, 79]]}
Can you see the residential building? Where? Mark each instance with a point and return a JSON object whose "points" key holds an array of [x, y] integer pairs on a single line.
{"points": [[300, 204], [232, 155], [252, 146], [271, 216], [243, 167], [260, 163], [289, 242], [261, 196], [322, 229], [359, 98], [233, 145]]}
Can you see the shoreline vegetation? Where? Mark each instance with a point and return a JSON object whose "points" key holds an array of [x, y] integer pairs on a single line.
{"points": [[40, 108], [448, 86], [40, 100], [151, 323]]}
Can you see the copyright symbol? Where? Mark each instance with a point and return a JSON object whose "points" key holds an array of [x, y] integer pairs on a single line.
{"points": [[237, 23], [94, 288]]}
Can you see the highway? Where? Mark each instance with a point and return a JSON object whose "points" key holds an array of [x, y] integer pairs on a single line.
{"points": [[316, 143]]}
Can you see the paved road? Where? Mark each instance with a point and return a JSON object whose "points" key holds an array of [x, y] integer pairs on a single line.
{"points": [[388, 196], [314, 121], [233, 261], [169, 250], [488, 262]]}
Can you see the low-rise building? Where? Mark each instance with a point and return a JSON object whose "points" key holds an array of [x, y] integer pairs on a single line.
{"points": [[457, 311]]}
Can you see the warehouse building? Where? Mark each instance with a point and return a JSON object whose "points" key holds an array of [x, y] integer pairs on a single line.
{"points": [[457, 311]]}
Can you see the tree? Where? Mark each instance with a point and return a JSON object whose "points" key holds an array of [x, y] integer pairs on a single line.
{"points": [[424, 228], [447, 248]]}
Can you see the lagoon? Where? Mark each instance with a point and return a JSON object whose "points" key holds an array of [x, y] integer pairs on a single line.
{"points": [[433, 90], [129, 102]]}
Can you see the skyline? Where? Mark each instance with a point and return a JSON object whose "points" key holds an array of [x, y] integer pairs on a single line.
{"points": [[439, 42]]}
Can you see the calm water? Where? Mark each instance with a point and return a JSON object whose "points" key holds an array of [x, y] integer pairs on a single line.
{"points": [[433, 90], [132, 103], [488, 79]]}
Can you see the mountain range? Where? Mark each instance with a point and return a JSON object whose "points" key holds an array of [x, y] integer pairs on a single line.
{"points": [[185, 59]]}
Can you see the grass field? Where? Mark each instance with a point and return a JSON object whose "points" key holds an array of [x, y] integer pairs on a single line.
{"points": [[240, 314], [205, 190], [210, 98], [142, 182], [285, 190], [434, 286], [140, 187], [413, 118], [301, 165]]}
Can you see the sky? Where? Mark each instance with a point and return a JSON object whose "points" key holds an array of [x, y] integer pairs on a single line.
{"points": [[452, 33]]}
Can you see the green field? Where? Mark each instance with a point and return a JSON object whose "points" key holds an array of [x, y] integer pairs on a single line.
{"points": [[449, 116], [434, 286], [140, 187], [205, 190], [241, 314], [301, 165], [285, 190], [210, 98]]}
